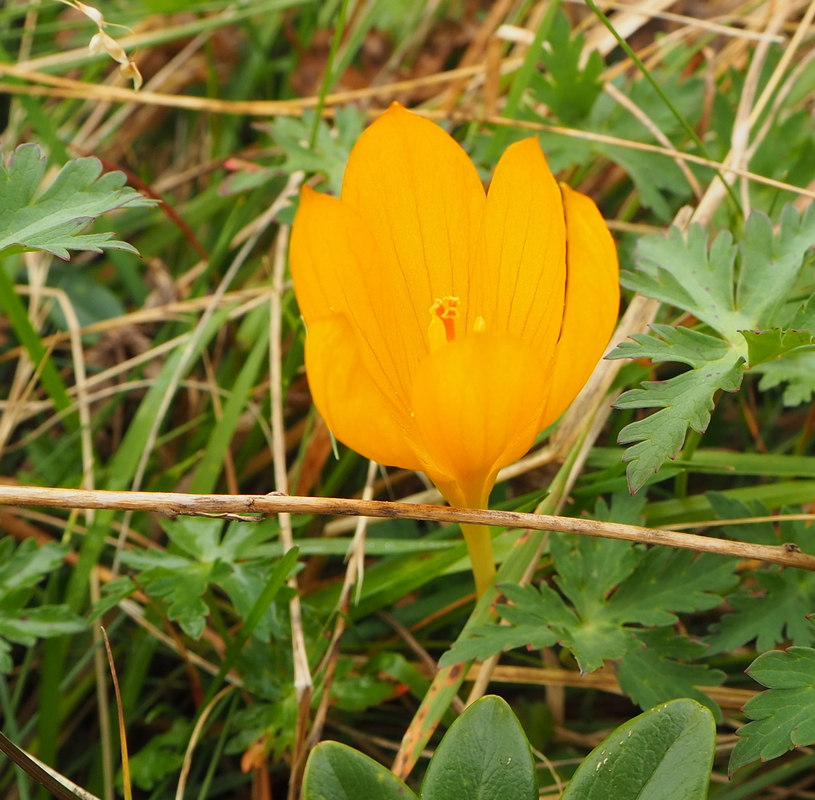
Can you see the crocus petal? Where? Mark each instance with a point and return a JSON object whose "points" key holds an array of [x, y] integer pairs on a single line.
{"points": [[351, 403], [421, 196], [525, 277], [476, 403], [336, 266], [592, 301]]}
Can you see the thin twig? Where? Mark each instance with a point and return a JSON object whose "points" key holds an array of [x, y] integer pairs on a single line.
{"points": [[177, 504]]}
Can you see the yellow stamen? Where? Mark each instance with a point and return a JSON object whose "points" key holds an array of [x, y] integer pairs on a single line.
{"points": [[479, 326]]}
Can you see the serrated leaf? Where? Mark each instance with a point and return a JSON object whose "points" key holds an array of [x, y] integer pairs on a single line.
{"points": [[663, 754], [686, 400], [651, 587], [330, 153], [161, 756], [650, 679], [775, 613], [774, 606], [771, 264], [764, 346], [594, 636], [667, 643], [484, 755], [589, 568], [668, 343], [804, 317], [726, 507], [784, 716], [680, 270], [668, 581], [797, 370], [734, 299], [198, 538], [531, 615], [482, 641], [568, 89], [53, 220], [183, 589]]}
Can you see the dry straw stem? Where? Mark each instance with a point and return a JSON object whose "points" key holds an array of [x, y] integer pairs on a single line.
{"points": [[257, 108], [243, 507], [303, 683], [603, 679]]}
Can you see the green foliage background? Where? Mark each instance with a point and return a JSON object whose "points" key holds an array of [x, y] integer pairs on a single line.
{"points": [[712, 423]]}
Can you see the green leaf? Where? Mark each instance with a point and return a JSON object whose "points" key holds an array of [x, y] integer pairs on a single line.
{"points": [[668, 343], [161, 756], [772, 607], [588, 568], [181, 583], [663, 754], [52, 220], [773, 611], [726, 507], [771, 264], [567, 89], [784, 716], [26, 565], [668, 581], [681, 271], [686, 400], [111, 595], [337, 772], [484, 755], [613, 586], [39, 623], [764, 346], [21, 569], [797, 370], [353, 690], [804, 318], [650, 679], [330, 152], [735, 298], [198, 538], [482, 641], [655, 177], [91, 299]]}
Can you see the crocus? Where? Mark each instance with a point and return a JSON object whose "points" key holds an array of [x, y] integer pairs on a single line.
{"points": [[446, 326]]}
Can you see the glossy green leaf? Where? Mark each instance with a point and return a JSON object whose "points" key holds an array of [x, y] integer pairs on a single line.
{"points": [[337, 772], [664, 754], [484, 755]]}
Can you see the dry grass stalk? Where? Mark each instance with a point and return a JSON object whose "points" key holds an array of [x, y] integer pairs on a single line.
{"points": [[249, 508]]}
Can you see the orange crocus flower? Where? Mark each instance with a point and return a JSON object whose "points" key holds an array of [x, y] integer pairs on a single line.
{"points": [[448, 326]]}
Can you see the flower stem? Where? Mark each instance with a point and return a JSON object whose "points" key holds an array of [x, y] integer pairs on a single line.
{"points": [[479, 546]]}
